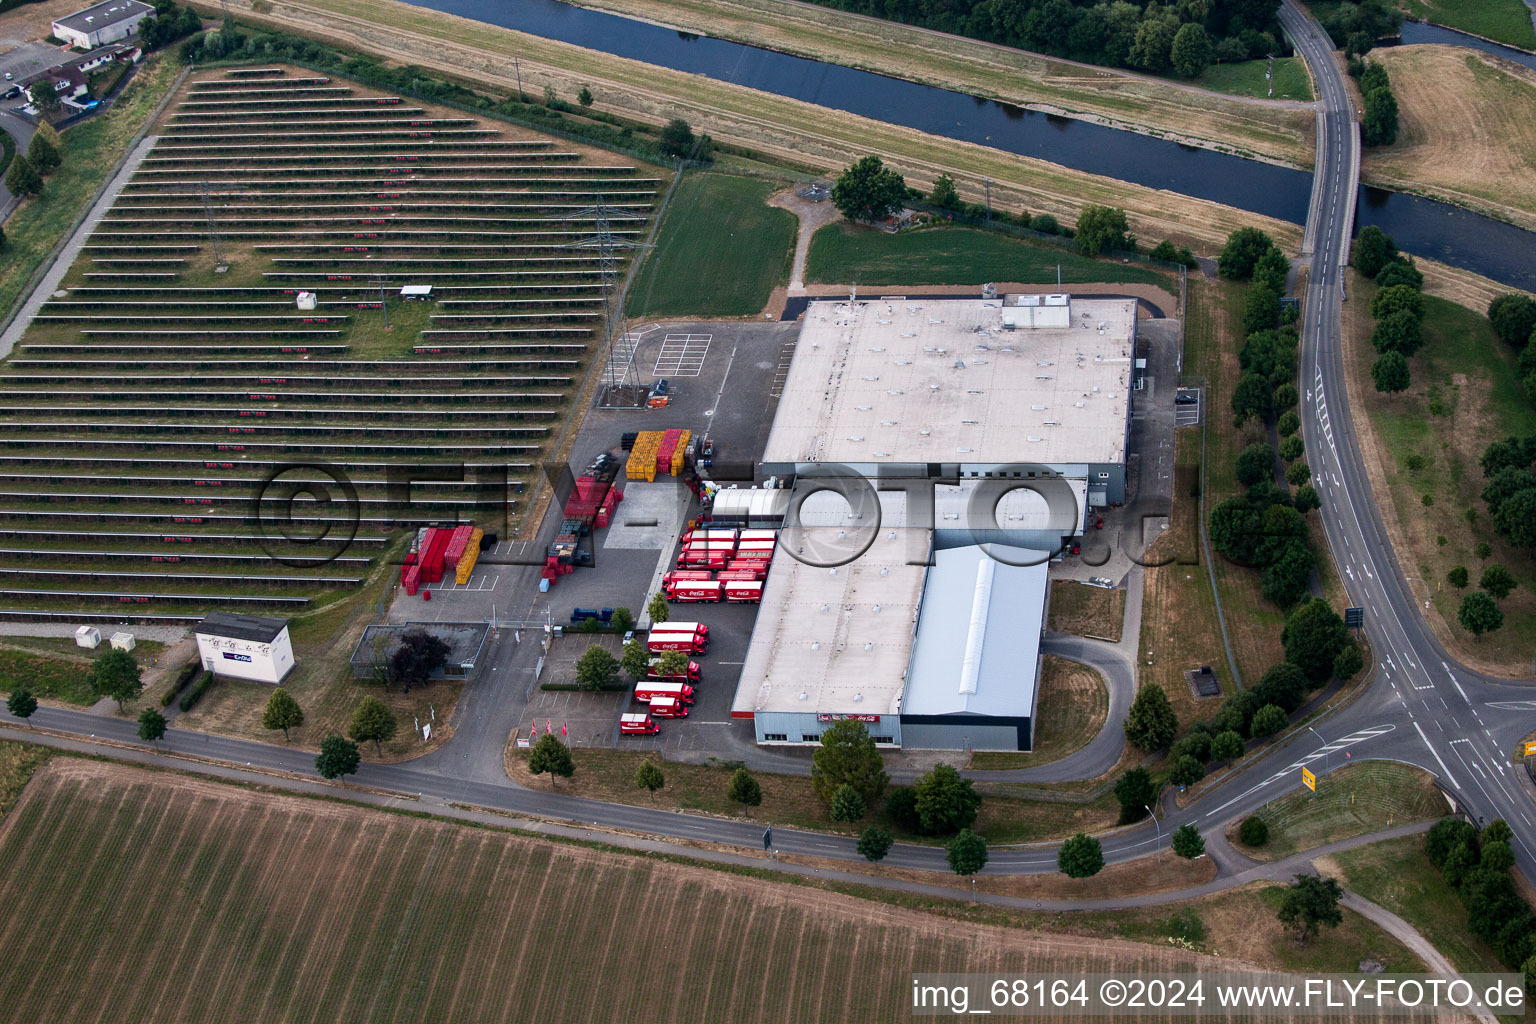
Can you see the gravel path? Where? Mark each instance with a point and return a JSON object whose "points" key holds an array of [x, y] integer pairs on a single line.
{"points": [[161, 634]]}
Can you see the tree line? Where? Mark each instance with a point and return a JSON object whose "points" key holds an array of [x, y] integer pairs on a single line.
{"points": [[1183, 36]]}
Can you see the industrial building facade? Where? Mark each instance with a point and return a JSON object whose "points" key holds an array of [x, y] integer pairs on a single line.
{"points": [[245, 647], [929, 632], [102, 23]]}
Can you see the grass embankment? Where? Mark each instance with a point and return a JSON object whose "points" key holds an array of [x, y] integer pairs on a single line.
{"points": [[790, 132], [512, 926], [789, 800], [1467, 134], [1246, 78], [47, 677], [1086, 611], [845, 253], [985, 69], [1507, 21], [1355, 800], [1396, 874], [91, 152], [1070, 709], [1428, 441], [720, 251]]}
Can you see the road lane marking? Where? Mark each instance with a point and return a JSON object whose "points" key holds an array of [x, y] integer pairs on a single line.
{"points": [[1436, 754]]}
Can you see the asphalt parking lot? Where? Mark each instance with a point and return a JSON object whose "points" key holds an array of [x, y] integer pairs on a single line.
{"points": [[29, 59]]}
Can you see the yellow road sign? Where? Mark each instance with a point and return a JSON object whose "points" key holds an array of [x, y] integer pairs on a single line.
{"points": [[1309, 779], [1530, 747]]}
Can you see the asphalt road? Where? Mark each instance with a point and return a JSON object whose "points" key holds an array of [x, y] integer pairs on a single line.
{"points": [[20, 130], [1418, 707]]}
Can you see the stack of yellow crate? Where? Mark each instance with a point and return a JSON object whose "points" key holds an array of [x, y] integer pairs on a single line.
{"points": [[471, 553], [642, 457], [677, 455]]}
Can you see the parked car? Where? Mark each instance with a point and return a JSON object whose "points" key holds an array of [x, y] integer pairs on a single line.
{"points": [[1187, 398], [1101, 581]]}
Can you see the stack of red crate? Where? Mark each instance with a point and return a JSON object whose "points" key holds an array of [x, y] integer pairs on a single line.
{"points": [[411, 577], [667, 449], [458, 540], [431, 558]]}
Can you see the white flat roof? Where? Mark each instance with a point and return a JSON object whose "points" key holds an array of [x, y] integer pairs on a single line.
{"points": [[942, 381], [978, 638], [834, 640], [959, 507]]}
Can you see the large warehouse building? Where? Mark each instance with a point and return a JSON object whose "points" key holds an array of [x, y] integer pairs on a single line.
{"points": [[931, 635]]}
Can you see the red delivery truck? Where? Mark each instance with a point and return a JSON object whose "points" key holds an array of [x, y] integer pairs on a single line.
{"points": [[693, 591], [681, 627], [650, 690], [679, 575], [689, 675], [753, 575], [770, 535], [637, 725], [755, 545], [703, 559], [743, 592], [710, 533], [656, 643], [667, 707]]}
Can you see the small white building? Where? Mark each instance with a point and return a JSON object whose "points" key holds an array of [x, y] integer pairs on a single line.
{"points": [[102, 23], [88, 637], [123, 642], [245, 647]]}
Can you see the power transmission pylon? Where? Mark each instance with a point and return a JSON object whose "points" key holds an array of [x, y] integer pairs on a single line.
{"points": [[379, 282], [219, 266], [607, 245]]}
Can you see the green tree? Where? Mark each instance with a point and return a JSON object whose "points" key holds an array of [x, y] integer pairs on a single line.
{"points": [[648, 776], [1483, 549], [1516, 518], [1154, 41], [1253, 398], [1227, 745], [1513, 317], [337, 759], [1401, 271], [43, 154], [1497, 857], [1498, 581], [1306, 499], [1496, 831], [671, 663], [1458, 577], [1192, 50], [1284, 685], [1348, 662], [966, 853], [115, 674], [945, 801], [22, 178], [1101, 228], [584, 97], [848, 755], [1292, 448], [1298, 473], [847, 804], [1286, 396], [1254, 463], [1135, 792], [596, 668], [21, 703], [1267, 721], [1478, 614], [657, 609], [1080, 857], [1378, 126], [874, 843], [868, 191], [1045, 224], [1389, 300], [1399, 331], [622, 621], [1242, 251], [944, 193], [1187, 771], [1390, 372], [1165, 251], [1261, 308], [282, 712], [1253, 831], [743, 789], [1187, 842], [677, 139], [1311, 902], [550, 755], [151, 725], [1313, 636], [372, 720], [419, 655], [1373, 250], [636, 659], [1151, 722], [45, 95]]}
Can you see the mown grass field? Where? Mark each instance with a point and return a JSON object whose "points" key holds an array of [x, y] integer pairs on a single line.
{"points": [[1086, 611], [47, 677], [1351, 801], [1428, 440], [1070, 711], [720, 251], [1397, 875], [1246, 78], [1508, 21], [91, 150], [844, 253], [272, 907]]}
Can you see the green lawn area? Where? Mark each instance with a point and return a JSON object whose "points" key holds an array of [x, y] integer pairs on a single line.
{"points": [[54, 678], [1351, 801], [848, 254], [91, 152], [720, 251], [1246, 78], [1397, 875], [1508, 21]]}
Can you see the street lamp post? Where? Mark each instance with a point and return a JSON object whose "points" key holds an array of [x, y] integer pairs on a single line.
{"points": [[1319, 735], [1159, 839]]}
